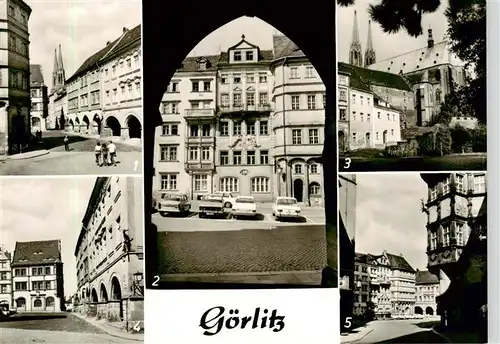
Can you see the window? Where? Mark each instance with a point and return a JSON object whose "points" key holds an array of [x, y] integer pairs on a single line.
{"points": [[205, 130], [249, 56], [250, 158], [446, 236], [311, 102], [446, 186], [37, 285], [433, 243], [296, 136], [361, 100], [297, 169], [193, 130], [170, 130], [20, 272], [174, 87], [168, 153], [200, 182], [260, 184], [3, 276], [224, 158], [433, 193], [193, 153], [263, 99], [480, 184], [237, 100], [388, 117], [50, 301], [262, 78], [21, 286], [236, 128], [353, 99], [224, 100], [224, 128], [251, 99], [205, 153], [459, 181], [295, 102], [263, 127], [237, 79], [229, 184], [392, 132], [343, 95], [313, 136], [324, 101], [309, 72], [264, 157], [37, 303], [459, 234], [12, 11], [237, 56], [223, 79], [314, 169], [343, 116], [169, 181], [250, 128], [236, 158], [294, 73], [195, 86], [206, 86]]}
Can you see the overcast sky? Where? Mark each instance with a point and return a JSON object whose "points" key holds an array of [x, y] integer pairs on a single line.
{"points": [[389, 216], [33, 209], [81, 27], [385, 45]]}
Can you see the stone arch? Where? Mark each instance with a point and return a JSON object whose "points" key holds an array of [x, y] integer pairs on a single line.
{"points": [[21, 303], [314, 189], [429, 311], [93, 296], [114, 125], [97, 123], [103, 293], [298, 189], [419, 310], [116, 293], [86, 122], [77, 120], [134, 126], [50, 303]]}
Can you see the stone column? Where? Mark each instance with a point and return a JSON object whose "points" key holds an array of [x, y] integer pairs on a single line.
{"points": [[305, 192]]}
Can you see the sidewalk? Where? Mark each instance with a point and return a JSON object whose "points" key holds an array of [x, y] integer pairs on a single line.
{"points": [[27, 155], [458, 337], [355, 335], [114, 329]]}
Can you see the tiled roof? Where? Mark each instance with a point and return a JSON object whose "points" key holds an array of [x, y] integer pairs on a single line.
{"points": [[130, 37], [399, 262], [283, 47], [190, 64], [4, 255], [425, 277], [264, 56], [374, 77], [36, 76], [37, 252]]}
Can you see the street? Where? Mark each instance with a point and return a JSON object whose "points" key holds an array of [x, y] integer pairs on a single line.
{"points": [[54, 328], [232, 249], [395, 331], [79, 160]]}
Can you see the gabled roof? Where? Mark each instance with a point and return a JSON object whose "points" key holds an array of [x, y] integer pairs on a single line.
{"points": [[374, 77], [243, 40], [130, 37], [284, 47], [4, 255], [37, 252], [190, 64], [425, 277], [36, 76], [399, 263]]}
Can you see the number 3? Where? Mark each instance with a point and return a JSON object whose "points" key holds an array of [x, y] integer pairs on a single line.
{"points": [[156, 280], [347, 163], [348, 323]]}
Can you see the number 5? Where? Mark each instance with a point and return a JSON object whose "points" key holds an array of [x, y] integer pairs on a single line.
{"points": [[347, 163], [348, 323]]}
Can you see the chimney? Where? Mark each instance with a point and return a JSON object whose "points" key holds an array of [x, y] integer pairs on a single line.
{"points": [[125, 29], [430, 40]]}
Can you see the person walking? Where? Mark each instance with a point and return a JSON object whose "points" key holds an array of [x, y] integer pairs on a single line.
{"points": [[66, 143], [97, 150], [112, 153], [104, 151]]}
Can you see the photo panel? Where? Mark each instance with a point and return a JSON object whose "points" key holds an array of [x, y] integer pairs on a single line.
{"points": [[72, 265], [412, 97], [419, 271], [73, 106]]}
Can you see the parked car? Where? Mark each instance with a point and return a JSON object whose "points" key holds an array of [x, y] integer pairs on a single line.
{"points": [[228, 198], [286, 207], [244, 206], [6, 311], [211, 205], [173, 203]]}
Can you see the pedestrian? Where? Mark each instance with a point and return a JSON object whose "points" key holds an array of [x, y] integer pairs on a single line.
{"points": [[104, 154], [97, 151], [112, 153], [66, 143]]}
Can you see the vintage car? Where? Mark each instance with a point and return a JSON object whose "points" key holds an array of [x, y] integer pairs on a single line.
{"points": [[211, 205], [228, 198], [244, 206], [173, 203], [6, 311], [286, 207]]}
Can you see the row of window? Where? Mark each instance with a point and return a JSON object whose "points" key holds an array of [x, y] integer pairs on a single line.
{"points": [[205, 130], [367, 137], [126, 66], [35, 285], [249, 78], [238, 55], [479, 186], [313, 136], [446, 235], [18, 45], [249, 99], [38, 271], [126, 92], [309, 72], [18, 80], [311, 102]]}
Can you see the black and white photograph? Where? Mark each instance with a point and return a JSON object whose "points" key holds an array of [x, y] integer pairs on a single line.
{"points": [[238, 187], [71, 106], [71, 266], [419, 269], [412, 86]]}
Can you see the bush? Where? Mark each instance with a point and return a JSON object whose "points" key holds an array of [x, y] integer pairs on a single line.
{"points": [[461, 138], [365, 153], [436, 143]]}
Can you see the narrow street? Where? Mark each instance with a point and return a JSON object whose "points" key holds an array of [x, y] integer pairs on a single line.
{"points": [[53, 328]]}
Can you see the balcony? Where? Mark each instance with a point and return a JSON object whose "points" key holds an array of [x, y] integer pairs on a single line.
{"points": [[197, 140], [200, 166], [199, 114], [244, 108]]}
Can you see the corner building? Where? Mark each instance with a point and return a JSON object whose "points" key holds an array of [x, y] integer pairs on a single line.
{"points": [[39, 99], [109, 251], [5, 278]]}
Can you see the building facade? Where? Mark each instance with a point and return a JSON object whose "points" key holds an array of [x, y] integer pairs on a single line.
{"points": [[5, 278], [39, 99], [15, 124], [427, 292], [38, 280], [109, 251], [362, 292], [380, 286]]}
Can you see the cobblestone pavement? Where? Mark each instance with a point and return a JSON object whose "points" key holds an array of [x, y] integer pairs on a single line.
{"points": [[284, 248], [288, 277], [16, 336], [49, 322]]}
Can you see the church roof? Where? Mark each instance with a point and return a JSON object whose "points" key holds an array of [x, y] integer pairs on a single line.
{"points": [[37, 252], [361, 78], [36, 76], [425, 277]]}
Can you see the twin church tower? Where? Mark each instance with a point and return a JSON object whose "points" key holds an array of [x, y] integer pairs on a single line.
{"points": [[355, 52]]}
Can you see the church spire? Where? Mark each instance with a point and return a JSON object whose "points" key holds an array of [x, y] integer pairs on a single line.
{"points": [[370, 57], [58, 74], [56, 64], [60, 62], [355, 55]]}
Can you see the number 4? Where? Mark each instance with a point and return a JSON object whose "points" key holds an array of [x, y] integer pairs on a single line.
{"points": [[137, 326], [348, 322]]}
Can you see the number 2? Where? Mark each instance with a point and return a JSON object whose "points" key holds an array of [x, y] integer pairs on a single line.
{"points": [[156, 280], [348, 322], [136, 164], [347, 163]]}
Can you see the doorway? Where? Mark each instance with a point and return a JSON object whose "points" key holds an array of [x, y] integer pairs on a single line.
{"points": [[298, 189]]}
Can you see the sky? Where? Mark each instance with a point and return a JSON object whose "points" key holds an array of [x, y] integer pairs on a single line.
{"points": [[389, 216], [81, 27], [386, 45], [45, 209]]}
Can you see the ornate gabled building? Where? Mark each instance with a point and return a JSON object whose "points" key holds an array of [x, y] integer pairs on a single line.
{"points": [[457, 231], [39, 99], [427, 286]]}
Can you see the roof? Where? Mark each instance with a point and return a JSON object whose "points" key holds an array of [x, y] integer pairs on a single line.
{"points": [[425, 277], [4, 255], [399, 263], [190, 64], [363, 78], [36, 76], [37, 252], [284, 47], [107, 52]]}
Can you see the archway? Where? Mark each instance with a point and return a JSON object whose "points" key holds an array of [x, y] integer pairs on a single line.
{"points": [[93, 295], [72, 124], [35, 124], [134, 127], [298, 189], [116, 293], [50, 304], [97, 120], [77, 121], [342, 141], [86, 122], [367, 140], [113, 124], [419, 310], [429, 311], [37, 305], [314, 189], [104, 293], [21, 304], [384, 136]]}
